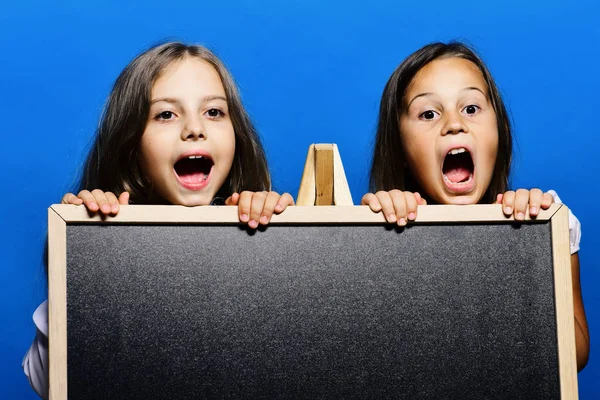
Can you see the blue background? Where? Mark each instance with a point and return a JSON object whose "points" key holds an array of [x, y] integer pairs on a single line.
{"points": [[309, 71]]}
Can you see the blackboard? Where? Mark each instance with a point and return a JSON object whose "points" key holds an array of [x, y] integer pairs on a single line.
{"points": [[327, 302]]}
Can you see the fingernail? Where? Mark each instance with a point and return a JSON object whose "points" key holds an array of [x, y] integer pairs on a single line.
{"points": [[533, 210], [402, 222], [520, 216], [392, 218], [507, 210], [411, 216], [264, 220], [253, 224], [244, 217], [278, 207], [105, 208]]}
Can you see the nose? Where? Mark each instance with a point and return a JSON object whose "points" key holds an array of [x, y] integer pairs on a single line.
{"points": [[193, 129], [454, 124]]}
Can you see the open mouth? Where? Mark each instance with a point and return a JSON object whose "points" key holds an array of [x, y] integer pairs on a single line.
{"points": [[194, 171], [458, 169]]}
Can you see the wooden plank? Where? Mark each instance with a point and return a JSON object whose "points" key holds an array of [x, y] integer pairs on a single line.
{"points": [[324, 174], [341, 190], [565, 320], [57, 305], [307, 192], [292, 215]]}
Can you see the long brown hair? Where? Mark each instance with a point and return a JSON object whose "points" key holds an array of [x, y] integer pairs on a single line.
{"points": [[388, 169], [113, 162]]}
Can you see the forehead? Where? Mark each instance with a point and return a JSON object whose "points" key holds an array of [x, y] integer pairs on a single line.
{"points": [[188, 74], [447, 74]]}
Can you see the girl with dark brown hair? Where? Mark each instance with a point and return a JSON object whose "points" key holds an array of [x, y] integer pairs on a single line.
{"points": [[174, 131], [444, 137]]}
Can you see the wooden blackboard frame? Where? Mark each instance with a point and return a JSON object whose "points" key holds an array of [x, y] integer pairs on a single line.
{"points": [[59, 216]]}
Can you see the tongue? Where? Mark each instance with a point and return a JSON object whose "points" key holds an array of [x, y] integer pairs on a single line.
{"points": [[458, 174], [193, 177], [189, 173]]}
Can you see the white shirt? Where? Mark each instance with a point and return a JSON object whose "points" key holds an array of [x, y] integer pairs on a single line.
{"points": [[574, 226], [35, 362]]}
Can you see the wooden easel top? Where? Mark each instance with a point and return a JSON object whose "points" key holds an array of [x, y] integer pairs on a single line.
{"points": [[324, 180]]}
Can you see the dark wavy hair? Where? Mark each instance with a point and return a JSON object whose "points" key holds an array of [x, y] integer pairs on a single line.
{"points": [[113, 162], [388, 169]]}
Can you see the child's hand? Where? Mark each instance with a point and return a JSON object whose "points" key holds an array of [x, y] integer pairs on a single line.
{"points": [[397, 206], [258, 207], [516, 203], [104, 202]]}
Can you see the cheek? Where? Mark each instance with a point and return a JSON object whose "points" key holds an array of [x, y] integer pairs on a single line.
{"points": [[489, 154], [227, 145], [146, 153], [231, 145], [416, 142], [491, 128], [492, 147], [150, 156], [418, 152]]}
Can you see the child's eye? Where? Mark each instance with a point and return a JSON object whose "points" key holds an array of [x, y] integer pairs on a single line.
{"points": [[427, 115], [214, 113], [471, 109], [165, 115]]}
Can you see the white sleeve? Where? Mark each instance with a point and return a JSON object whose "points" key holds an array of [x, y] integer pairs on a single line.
{"points": [[574, 225], [35, 362]]}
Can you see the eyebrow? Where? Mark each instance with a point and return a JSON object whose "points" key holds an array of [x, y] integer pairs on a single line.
{"points": [[474, 88], [175, 101], [416, 97], [430, 94]]}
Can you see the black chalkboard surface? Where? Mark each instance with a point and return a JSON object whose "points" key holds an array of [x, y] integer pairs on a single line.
{"points": [[327, 302]]}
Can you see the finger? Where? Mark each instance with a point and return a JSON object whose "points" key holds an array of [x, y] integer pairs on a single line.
{"points": [[411, 205], [233, 200], [124, 198], [508, 202], [521, 202], [102, 201], [70, 198], [387, 206], [285, 200], [399, 202], [256, 208], [535, 201], [371, 200], [268, 209], [88, 200], [420, 200], [244, 202], [547, 200], [113, 202], [499, 198]]}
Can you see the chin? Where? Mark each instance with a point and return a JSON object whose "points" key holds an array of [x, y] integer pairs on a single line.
{"points": [[193, 200], [462, 200]]}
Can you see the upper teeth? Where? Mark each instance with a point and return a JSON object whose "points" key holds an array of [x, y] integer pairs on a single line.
{"points": [[194, 157], [457, 151]]}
